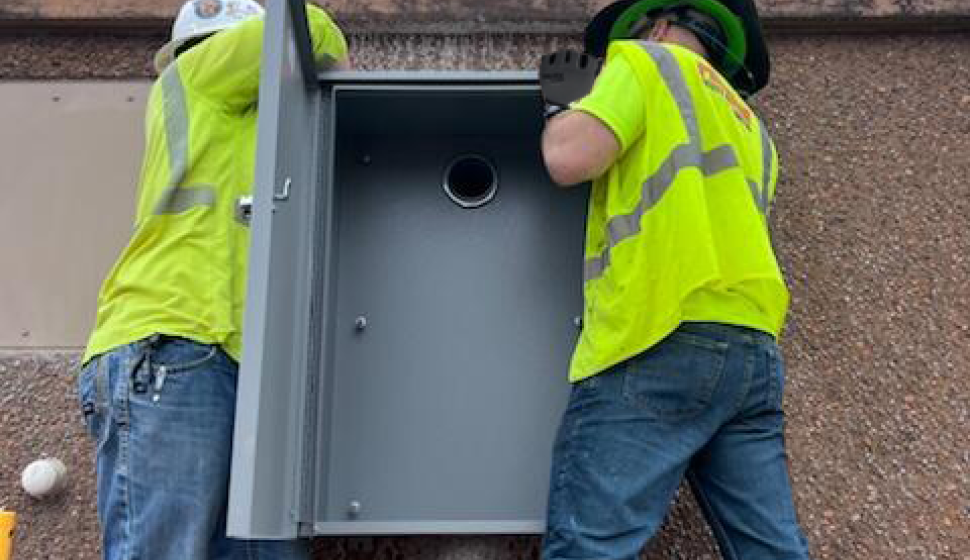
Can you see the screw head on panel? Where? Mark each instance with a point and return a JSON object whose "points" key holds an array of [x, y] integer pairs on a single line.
{"points": [[578, 322], [353, 508], [360, 323]]}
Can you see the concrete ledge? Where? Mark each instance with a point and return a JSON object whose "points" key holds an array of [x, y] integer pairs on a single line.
{"points": [[467, 16]]}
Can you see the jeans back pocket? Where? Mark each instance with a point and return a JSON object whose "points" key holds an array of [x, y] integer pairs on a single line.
{"points": [[676, 379]]}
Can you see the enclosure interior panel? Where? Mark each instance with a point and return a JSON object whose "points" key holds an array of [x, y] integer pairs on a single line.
{"points": [[453, 326]]}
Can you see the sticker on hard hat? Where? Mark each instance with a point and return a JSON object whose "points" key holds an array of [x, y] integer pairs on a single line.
{"points": [[236, 9], [207, 9]]}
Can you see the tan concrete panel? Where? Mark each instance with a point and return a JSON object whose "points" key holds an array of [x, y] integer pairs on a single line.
{"points": [[71, 155], [463, 10]]}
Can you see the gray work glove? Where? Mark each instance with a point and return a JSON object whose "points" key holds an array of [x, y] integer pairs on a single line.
{"points": [[566, 76]]}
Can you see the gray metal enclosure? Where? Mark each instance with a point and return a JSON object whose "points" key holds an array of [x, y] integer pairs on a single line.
{"points": [[413, 299]]}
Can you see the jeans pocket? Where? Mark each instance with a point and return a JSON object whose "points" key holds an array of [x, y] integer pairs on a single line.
{"points": [[181, 355], [172, 360], [92, 396], [676, 379]]}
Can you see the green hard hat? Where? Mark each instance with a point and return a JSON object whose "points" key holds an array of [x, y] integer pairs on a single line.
{"points": [[745, 62]]}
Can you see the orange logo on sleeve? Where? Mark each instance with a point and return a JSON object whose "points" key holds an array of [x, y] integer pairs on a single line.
{"points": [[717, 83]]}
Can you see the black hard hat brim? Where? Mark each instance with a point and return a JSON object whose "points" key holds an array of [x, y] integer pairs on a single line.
{"points": [[757, 60]]}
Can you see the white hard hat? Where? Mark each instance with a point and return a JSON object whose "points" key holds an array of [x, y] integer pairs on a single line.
{"points": [[199, 18]]}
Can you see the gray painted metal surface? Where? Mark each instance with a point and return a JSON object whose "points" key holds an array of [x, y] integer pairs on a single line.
{"points": [[444, 405], [405, 358], [503, 78], [269, 477]]}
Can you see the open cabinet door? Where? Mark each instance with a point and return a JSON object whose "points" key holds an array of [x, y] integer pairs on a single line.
{"points": [[407, 337], [267, 482]]}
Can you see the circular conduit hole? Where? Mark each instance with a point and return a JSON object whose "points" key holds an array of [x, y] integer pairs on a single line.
{"points": [[471, 181]]}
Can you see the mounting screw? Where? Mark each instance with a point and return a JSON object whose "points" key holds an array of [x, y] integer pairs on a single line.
{"points": [[360, 323], [366, 159], [578, 322], [353, 508]]}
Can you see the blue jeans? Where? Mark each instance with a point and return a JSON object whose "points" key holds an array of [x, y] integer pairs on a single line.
{"points": [[161, 413], [705, 403]]}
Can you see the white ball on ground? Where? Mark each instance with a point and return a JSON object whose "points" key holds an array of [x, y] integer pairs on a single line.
{"points": [[44, 477]]}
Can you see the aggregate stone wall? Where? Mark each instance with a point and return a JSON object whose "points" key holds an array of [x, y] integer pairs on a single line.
{"points": [[872, 225], [400, 11]]}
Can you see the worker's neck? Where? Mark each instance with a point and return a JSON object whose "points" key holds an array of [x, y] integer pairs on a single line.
{"points": [[675, 35]]}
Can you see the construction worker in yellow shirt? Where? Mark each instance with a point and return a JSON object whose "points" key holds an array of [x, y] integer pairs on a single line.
{"points": [[677, 372], [158, 383]]}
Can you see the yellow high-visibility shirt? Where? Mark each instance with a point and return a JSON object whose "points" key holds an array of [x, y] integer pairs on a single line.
{"points": [[677, 228], [183, 272]]}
